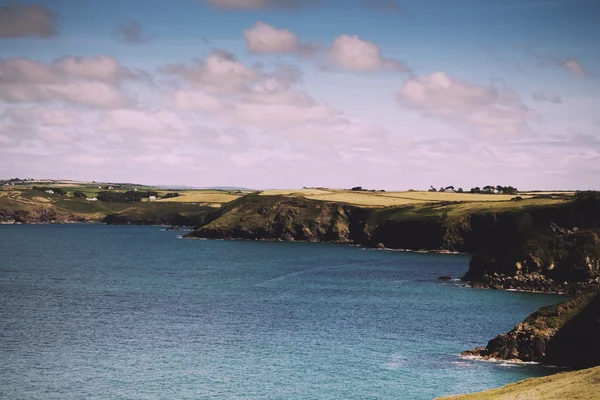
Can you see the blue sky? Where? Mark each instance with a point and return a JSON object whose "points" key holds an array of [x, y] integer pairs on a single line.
{"points": [[383, 94]]}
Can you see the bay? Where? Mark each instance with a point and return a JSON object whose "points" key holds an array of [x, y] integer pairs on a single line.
{"points": [[122, 312]]}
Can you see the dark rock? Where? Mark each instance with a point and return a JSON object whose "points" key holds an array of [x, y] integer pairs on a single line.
{"points": [[567, 334]]}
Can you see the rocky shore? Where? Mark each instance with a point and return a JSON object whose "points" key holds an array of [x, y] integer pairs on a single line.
{"points": [[533, 282], [566, 334], [43, 216]]}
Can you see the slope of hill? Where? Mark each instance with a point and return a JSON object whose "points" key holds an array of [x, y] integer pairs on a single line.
{"points": [[579, 385]]}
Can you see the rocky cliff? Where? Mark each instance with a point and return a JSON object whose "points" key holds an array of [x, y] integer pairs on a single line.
{"points": [[42, 215], [556, 249], [566, 334], [282, 218]]}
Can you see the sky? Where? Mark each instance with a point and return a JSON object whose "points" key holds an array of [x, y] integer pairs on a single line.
{"points": [[382, 94]]}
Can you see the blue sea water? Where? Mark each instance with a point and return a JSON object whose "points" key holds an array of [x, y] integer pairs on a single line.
{"points": [[118, 312]]}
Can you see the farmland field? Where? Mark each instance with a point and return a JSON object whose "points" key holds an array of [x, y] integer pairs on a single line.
{"points": [[201, 196], [391, 199]]}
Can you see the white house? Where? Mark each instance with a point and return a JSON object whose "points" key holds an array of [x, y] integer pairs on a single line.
{"points": [[92, 199], [50, 191], [152, 198]]}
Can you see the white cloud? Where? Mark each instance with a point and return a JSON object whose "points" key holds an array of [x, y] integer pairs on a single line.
{"points": [[19, 20], [26, 71], [218, 72], [265, 38], [100, 68], [486, 110], [349, 53], [95, 94], [354, 54], [88, 81]]}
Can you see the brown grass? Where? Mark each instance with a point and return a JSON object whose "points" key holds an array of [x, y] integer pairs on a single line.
{"points": [[576, 385]]}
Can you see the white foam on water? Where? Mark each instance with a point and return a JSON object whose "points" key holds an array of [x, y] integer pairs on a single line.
{"points": [[503, 363]]}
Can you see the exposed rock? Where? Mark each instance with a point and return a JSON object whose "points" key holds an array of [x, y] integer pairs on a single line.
{"points": [[282, 218], [567, 334]]}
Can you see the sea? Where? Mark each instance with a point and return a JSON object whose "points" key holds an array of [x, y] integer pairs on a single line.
{"points": [[137, 312]]}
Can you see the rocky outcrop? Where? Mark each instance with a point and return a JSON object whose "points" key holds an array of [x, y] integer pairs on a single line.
{"points": [[156, 217], [548, 258], [286, 219], [566, 334], [41, 215]]}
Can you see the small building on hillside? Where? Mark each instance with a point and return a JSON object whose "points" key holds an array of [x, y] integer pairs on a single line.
{"points": [[92, 199], [152, 198], [50, 191]]}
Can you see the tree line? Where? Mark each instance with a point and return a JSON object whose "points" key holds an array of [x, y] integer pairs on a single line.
{"points": [[489, 189], [130, 196]]}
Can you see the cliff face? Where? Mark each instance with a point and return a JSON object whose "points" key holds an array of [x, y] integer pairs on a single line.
{"points": [[133, 216], [545, 250], [281, 218], [567, 334]]}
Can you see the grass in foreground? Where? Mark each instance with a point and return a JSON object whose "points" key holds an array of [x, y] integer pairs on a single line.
{"points": [[577, 385]]}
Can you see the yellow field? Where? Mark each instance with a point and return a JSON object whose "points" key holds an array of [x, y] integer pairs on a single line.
{"points": [[441, 196], [202, 196], [295, 192], [364, 199], [581, 385], [389, 199]]}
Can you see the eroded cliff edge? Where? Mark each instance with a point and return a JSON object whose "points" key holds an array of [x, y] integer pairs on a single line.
{"points": [[566, 334]]}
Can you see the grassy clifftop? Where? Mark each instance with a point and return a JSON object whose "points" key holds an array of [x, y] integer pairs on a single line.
{"points": [[27, 205], [580, 385]]}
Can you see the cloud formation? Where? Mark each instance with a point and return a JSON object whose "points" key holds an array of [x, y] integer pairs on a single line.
{"points": [[220, 71], [132, 32], [354, 54], [236, 93], [267, 39], [346, 53], [20, 20], [489, 111], [92, 81]]}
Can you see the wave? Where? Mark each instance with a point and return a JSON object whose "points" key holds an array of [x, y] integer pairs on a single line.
{"points": [[500, 362]]}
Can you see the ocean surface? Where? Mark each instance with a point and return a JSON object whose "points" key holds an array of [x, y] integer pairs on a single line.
{"points": [[119, 312]]}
